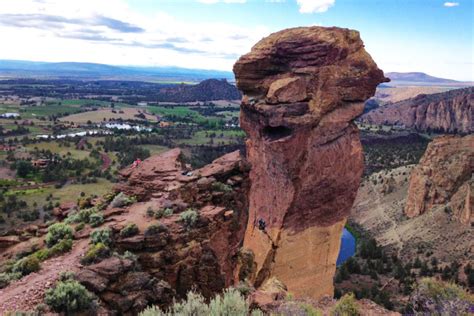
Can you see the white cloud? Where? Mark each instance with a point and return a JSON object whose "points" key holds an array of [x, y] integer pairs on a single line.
{"points": [[112, 32], [314, 6], [451, 4]]}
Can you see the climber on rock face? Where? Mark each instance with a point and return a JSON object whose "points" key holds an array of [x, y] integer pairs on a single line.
{"points": [[261, 224]]}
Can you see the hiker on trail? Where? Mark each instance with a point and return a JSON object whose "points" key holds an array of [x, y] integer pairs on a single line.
{"points": [[136, 163], [261, 224]]}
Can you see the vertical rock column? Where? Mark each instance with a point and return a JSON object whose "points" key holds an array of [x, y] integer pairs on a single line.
{"points": [[302, 89]]}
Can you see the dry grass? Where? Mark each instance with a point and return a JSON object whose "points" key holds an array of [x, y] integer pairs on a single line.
{"points": [[107, 114]]}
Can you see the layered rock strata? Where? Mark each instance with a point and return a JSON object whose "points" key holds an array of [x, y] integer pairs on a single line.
{"points": [[303, 88], [450, 112], [444, 177]]}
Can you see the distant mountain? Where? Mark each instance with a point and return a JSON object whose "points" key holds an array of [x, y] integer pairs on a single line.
{"points": [[74, 70], [451, 112], [207, 90], [419, 78]]}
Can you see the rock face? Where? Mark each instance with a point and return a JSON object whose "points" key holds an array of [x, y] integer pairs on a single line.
{"points": [[451, 111], [174, 259], [302, 89], [444, 177]]}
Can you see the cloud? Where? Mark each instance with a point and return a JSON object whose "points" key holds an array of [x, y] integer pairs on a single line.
{"points": [[314, 6], [451, 4], [112, 32], [45, 21]]}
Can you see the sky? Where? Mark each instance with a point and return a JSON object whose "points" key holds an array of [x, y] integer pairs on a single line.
{"points": [[431, 36]]}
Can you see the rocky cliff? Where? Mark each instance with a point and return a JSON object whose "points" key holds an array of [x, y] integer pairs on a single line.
{"points": [[302, 89], [444, 178], [451, 111]]}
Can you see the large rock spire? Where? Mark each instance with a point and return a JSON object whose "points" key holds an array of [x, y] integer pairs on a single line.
{"points": [[303, 88]]}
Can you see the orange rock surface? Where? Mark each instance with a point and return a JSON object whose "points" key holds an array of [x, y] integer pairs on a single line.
{"points": [[302, 89], [444, 177]]}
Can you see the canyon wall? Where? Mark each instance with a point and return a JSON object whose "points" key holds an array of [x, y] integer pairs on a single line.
{"points": [[303, 88], [451, 111], [444, 177]]}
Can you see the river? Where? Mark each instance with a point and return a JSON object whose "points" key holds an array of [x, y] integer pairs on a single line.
{"points": [[348, 247]]}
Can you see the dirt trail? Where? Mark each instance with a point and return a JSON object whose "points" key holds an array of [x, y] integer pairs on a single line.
{"points": [[27, 293], [106, 161]]}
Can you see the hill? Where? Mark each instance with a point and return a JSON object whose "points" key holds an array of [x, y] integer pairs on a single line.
{"points": [[422, 79], [207, 90], [76, 70]]}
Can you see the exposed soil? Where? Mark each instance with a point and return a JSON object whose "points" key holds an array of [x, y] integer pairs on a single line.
{"points": [[26, 293], [379, 210]]}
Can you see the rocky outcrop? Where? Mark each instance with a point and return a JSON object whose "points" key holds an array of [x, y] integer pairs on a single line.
{"points": [[444, 177], [451, 112], [302, 89], [173, 258]]}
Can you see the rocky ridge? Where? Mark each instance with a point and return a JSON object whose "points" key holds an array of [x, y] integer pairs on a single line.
{"points": [[450, 112], [303, 88], [444, 178]]}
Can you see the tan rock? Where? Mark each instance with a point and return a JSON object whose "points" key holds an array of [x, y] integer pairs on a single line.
{"points": [[302, 89], [444, 177]]}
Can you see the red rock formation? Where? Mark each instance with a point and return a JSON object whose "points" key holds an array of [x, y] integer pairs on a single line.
{"points": [[302, 88], [444, 177], [174, 259], [451, 111]]}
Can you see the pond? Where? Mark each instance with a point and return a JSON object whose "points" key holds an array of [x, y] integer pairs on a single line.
{"points": [[348, 247]]}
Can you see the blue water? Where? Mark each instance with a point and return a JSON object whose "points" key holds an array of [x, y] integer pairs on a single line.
{"points": [[348, 247]]}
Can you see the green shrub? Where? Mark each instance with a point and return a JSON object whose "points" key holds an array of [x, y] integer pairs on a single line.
{"points": [[26, 265], [6, 278], [309, 310], [221, 187], [121, 200], [194, 304], [61, 247], [231, 302], [67, 275], [96, 219], [95, 253], [42, 254], [69, 297], [102, 236], [57, 232], [127, 255], [150, 212], [346, 306], [79, 227], [155, 229], [80, 217], [166, 212], [189, 217], [129, 230], [441, 298]]}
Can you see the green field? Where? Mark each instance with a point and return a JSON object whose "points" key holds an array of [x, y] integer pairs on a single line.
{"points": [[155, 149], [68, 193], [92, 102], [63, 151], [183, 112], [203, 137]]}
